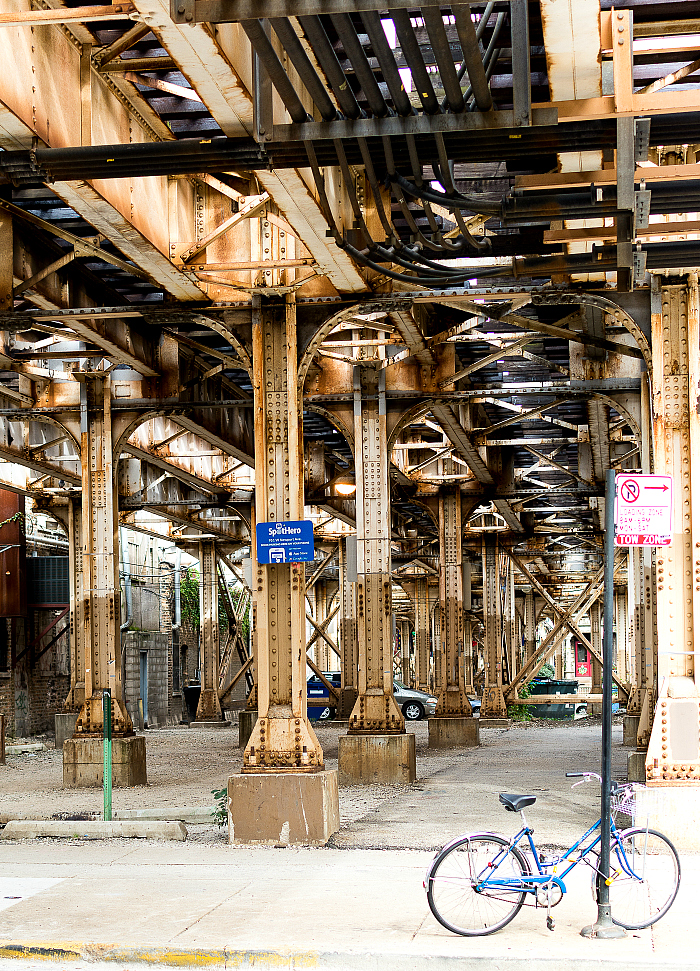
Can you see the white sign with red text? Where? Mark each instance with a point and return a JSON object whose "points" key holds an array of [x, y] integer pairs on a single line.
{"points": [[643, 510]]}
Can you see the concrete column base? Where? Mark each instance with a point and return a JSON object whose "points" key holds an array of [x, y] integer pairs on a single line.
{"points": [[485, 722], [283, 807], [65, 726], [635, 767], [451, 732], [630, 724], [218, 723], [83, 761], [673, 809], [376, 758], [246, 723]]}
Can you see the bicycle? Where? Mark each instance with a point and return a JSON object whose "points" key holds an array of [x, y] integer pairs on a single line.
{"points": [[478, 882]]}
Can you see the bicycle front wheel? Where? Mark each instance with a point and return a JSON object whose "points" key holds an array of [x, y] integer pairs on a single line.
{"points": [[463, 884], [645, 874]]}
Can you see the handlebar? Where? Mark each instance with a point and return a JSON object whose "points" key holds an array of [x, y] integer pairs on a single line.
{"points": [[614, 786]]}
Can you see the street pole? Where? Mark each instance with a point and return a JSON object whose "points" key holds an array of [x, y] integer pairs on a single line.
{"points": [[604, 927], [107, 752]]}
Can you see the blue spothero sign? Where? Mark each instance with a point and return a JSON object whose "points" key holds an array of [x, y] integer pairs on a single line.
{"points": [[289, 542]]}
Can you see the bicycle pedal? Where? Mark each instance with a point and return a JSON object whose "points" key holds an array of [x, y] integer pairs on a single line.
{"points": [[550, 924]]}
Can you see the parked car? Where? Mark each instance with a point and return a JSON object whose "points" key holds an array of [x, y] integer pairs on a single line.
{"points": [[319, 702], [413, 703]]}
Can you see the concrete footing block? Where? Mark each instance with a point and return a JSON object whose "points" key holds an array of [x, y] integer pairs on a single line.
{"points": [[95, 829], [246, 724], [376, 758], [630, 724], [635, 767], [485, 722], [283, 807], [452, 732], [83, 761], [64, 722], [673, 810]]}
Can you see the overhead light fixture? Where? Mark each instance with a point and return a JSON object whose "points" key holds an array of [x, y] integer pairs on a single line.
{"points": [[345, 486]]}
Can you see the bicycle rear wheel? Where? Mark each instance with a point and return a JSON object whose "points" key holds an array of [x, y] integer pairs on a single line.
{"points": [[645, 875], [458, 891]]}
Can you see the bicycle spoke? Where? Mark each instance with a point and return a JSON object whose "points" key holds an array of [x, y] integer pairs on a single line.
{"points": [[458, 885], [645, 876]]}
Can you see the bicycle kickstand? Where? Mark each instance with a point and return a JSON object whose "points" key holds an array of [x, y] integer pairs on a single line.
{"points": [[550, 920]]}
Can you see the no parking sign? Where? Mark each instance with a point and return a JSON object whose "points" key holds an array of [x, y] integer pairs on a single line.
{"points": [[643, 510]]}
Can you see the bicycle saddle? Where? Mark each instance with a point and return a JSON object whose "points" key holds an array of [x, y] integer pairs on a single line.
{"points": [[515, 803]]}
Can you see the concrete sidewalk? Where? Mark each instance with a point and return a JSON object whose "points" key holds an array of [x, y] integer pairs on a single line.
{"points": [[185, 904]]}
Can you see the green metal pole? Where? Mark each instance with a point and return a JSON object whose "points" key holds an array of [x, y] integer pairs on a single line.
{"points": [[107, 746]]}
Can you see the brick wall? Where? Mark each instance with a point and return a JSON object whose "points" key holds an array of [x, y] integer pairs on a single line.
{"points": [[32, 693]]}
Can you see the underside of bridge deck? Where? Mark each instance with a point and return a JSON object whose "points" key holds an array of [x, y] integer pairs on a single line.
{"points": [[419, 274]]}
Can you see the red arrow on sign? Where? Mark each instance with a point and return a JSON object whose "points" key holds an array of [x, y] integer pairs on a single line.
{"points": [[664, 488]]}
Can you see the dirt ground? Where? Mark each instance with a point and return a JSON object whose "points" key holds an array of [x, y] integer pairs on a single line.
{"points": [[456, 789]]}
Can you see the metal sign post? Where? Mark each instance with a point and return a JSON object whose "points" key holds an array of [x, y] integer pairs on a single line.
{"points": [[107, 752], [604, 927]]}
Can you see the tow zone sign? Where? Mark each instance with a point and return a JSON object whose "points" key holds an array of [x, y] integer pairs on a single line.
{"points": [[643, 510]]}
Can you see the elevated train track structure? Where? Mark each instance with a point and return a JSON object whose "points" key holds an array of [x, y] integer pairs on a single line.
{"points": [[422, 274]]}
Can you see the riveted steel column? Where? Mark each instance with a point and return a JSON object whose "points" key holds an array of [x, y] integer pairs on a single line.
{"points": [[673, 441], [673, 753], [493, 703], [375, 710], [208, 708], [635, 620], [422, 636], [406, 652], [282, 740], [596, 668], [530, 624], [348, 626], [76, 695], [622, 634], [509, 620], [252, 700], [100, 576], [452, 696]]}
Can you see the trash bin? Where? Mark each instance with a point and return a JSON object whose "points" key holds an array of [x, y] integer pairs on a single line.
{"points": [[553, 686]]}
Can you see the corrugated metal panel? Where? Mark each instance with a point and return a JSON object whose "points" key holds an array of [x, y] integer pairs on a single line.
{"points": [[13, 555]]}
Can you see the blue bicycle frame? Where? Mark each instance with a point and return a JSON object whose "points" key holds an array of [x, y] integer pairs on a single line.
{"points": [[547, 869]]}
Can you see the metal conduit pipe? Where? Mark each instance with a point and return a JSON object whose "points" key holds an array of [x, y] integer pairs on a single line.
{"points": [[127, 582], [363, 72], [488, 205], [177, 590], [266, 52], [384, 54], [443, 56], [481, 27], [472, 56], [492, 53], [412, 52], [323, 49], [304, 68]]}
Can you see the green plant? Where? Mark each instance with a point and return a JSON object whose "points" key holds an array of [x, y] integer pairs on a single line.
{"points": [[220, 811], [522, 713], [189, 596], [546, 671]]}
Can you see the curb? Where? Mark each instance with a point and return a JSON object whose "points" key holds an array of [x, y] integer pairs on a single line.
{"points": [[271, 960], [21, 829]]}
